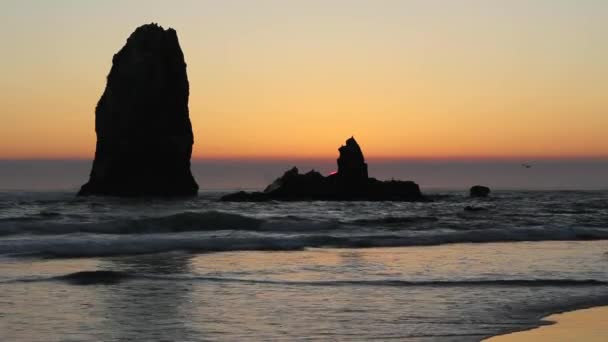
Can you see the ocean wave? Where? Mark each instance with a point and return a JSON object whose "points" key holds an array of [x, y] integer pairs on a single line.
{"points": [[395, 220], [399, 283], [406, 283], [182, 222], [186, 221], [94, 245], [113, 277]]}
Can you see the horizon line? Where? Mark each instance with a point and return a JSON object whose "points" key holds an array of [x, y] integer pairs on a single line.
{"points": [[249, 158]]}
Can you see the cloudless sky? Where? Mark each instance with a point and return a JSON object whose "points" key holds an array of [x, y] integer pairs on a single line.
{"points": [[275, 78]]}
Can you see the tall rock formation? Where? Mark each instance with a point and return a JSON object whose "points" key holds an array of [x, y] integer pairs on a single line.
{"points": [[144, 134], [351, 164]]}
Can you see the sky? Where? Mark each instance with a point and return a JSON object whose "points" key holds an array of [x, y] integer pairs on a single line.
{"points": [[275, 79]]}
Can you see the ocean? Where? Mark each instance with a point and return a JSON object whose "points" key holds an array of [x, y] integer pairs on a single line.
{"points": [[110, 269]]}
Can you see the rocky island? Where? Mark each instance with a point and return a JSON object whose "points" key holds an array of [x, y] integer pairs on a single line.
{"points": [[144, 134], [350, 183]]}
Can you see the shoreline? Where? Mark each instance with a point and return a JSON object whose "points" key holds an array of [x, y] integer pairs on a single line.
{"points": [[586, 324]]}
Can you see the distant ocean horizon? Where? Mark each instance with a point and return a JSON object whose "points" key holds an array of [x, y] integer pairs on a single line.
{"points": [[430, 174]]}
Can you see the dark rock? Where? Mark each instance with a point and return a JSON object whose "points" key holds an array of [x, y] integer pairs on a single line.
{"points": [[351, 164], [144, 134], [350, 183], [479, 191]]}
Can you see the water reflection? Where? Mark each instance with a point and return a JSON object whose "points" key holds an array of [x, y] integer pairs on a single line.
{"points": [[158, 310], [190, 305]]}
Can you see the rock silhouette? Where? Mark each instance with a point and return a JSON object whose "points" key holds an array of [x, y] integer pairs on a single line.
{"points": [[144, 134], [351, 164], [350, 183], [479, 191]]}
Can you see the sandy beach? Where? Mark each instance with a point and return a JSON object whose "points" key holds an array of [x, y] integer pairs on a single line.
{"points": [[588, 325]]}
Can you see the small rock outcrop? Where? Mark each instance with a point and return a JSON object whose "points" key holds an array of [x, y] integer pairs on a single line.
{"points": [[350, 183], [144, 134], [479, 191], [351, 164]]}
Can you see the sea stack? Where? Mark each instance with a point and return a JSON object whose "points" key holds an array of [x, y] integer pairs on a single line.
{"points": [[144, 134], [351, 163], [350, 183]]}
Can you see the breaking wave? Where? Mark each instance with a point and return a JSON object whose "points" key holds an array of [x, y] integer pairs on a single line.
{"points": [[396, 220], [93, 245], [68, 227], [114, 277], [186, 221], [194, 221]]}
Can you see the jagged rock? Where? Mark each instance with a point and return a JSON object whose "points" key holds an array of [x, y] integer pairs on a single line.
{"points": [[279, 182], [351, 164], [144, 134], [350, 183], [479, 191]]}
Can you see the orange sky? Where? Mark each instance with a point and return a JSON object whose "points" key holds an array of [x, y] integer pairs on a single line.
{"points": [[273, 79]]}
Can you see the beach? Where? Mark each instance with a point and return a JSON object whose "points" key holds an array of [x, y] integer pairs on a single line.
{"points": [[590, 325]]}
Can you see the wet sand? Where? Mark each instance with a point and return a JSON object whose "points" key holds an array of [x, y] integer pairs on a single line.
{"points": [[588, 325]]}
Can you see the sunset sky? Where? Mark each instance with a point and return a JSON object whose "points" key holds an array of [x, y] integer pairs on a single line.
{"points": [[409, 79]]}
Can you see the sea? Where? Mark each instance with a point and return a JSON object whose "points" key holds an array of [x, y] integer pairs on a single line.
{"points": [[198, 269]]}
